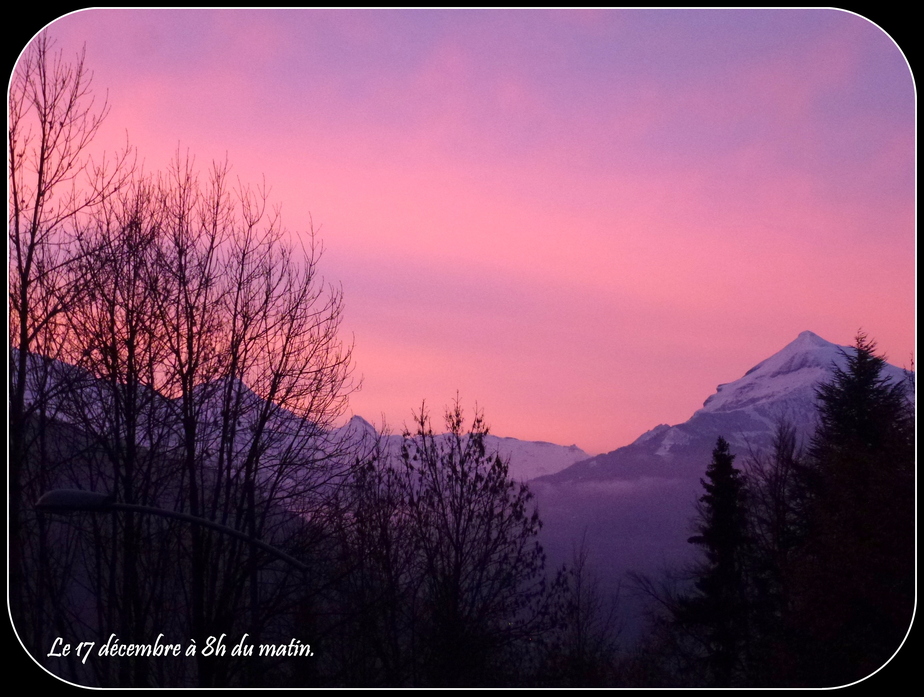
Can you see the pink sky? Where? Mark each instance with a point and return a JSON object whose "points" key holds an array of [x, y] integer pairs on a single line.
{"points": [[582, 221]]}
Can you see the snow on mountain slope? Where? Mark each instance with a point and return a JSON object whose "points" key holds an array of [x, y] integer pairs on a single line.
{"points": [[786, 380], [799, 366], [526, 459], [75, 396], [745, 412], [531, 459], [782, 386]]}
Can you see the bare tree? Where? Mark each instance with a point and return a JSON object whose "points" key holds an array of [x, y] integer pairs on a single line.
{"points": [[484, 584], [171, 346], [779, 485], [212, 342], [585, 653], [439, 579], [258, 375], [375, 595], [120, 410], [53, 184]]}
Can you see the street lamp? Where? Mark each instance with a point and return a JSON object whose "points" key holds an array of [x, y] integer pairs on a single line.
{"points": [[74, 500]]}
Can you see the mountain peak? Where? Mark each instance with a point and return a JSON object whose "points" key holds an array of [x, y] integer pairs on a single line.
{"points": [[358, 427], [807, 337], [796, 368], [807, 348], [807, 341]]}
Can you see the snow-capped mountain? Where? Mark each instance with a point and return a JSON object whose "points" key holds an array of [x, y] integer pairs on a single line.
{"points": [[745, 412], [526, 459], [633, 506], [531, 459]]}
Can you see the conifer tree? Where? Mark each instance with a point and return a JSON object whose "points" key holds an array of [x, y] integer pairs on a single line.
{"points": [[716, 613], [856, 576]]}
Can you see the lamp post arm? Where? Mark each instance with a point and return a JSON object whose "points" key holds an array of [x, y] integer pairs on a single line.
{"points": [[164, 513], [74, 500]]}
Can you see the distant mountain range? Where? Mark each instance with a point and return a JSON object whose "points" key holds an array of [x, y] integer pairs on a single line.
{"points": [[527, 459], [76, 397], [744, 412], [632, 506]]}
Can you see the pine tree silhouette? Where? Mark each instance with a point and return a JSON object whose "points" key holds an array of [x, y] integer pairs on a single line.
{"points": [[856, 577], [716, 612]]}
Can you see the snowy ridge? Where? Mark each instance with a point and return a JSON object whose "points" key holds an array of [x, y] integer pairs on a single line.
{"points": [[793, 371], [526, 459], [745, 412], [78, 398], [782, 386], [531, 459]]}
